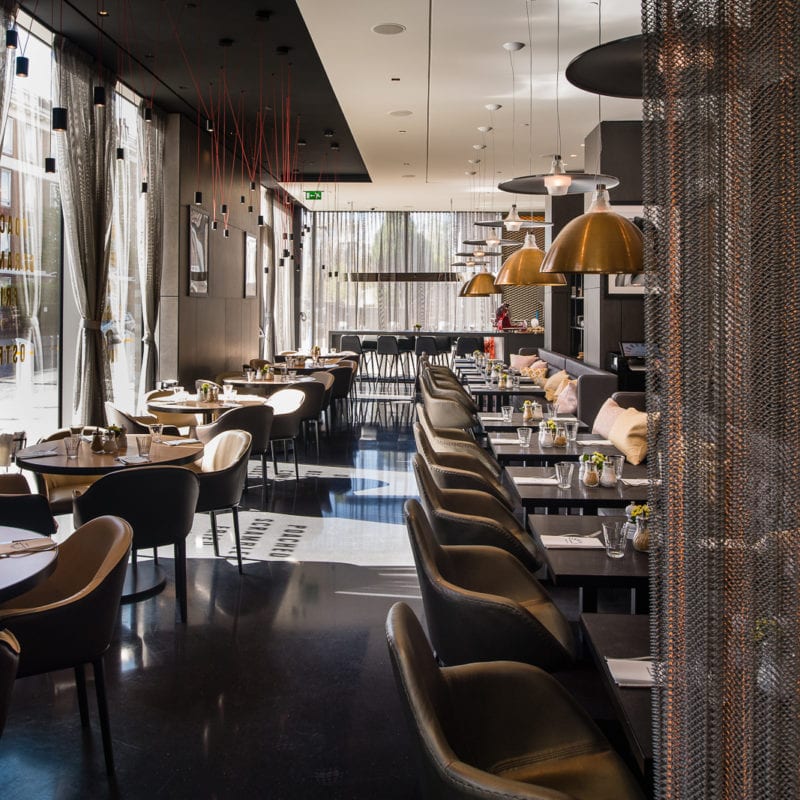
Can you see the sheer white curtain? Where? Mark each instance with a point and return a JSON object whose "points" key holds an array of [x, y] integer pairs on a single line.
{"points": [[86, 178], [347, 253], [283, 300]]}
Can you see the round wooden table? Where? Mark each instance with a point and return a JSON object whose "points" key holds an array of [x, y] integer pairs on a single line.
{"points": [[89, 463], [267, 387], [209, 410], [18, 574]]}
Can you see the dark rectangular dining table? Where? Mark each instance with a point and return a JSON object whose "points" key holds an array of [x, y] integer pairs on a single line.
{"points": [[490, 397], [578, 496], [623, 636], [507, 449], [491, 422], [590, 570]]}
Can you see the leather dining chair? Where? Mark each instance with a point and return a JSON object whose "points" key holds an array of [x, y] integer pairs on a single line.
{"points": [[188, 422], [467, 516], [59, 489], [157, 502], [28, 511], [313, 404], [342, 384], [498, 729], [67, 620], [222, 475], [256, 420], [327, 380], [14, 483], [482, 604], [288, 407], [134, 424], [453, 470], [9, 658]]}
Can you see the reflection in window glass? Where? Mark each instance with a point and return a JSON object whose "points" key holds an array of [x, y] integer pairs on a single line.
{"points": [[30, 258]]}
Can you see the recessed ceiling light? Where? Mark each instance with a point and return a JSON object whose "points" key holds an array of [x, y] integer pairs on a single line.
{"points": [[512, 47], [473, 161], [402, 131], [470, 173], [479, 147], [409, 176], [401, 113], [573, 155], [493, 106], [583, 145], [102, 12], [389, 28], [395, 80], [485, 128], [406, 163]]}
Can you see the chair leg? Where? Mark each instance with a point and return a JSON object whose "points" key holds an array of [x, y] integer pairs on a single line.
{"points": [[80, 688], [235, 510], [274, 459], [180, 577], [102, 711], [213, 516], [294, 453]]}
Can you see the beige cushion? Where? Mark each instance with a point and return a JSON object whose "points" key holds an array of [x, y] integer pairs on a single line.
{"points": [[520, 362], [552, 383], [224, 450], [629, 434], [606, 417], [538, 376], [567, 401]]}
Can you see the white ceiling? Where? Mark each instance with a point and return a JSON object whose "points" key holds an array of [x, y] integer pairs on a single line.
{"points": [[460, 43]]}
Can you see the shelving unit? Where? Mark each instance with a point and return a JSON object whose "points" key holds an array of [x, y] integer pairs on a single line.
{"points": [[576, 315]]}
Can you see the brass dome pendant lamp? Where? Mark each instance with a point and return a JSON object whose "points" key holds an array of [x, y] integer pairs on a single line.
{"points": [[598, 242], [480, 285], [523, 268]]}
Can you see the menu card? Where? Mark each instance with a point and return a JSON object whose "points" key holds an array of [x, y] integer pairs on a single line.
{"points": [[631, 672]]}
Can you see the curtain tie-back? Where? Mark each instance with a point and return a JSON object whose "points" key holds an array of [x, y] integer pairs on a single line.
{"points": [[148, 338], [91, 324]]}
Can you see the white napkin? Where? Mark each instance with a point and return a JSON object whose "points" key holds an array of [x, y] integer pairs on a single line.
{"points": [[43, 453], [577, 542], [523, 480], [20, 547], [636, 481], [631, 672], [491, 417], [133, 459], [179, 442], [597, 442], [504, 440]]}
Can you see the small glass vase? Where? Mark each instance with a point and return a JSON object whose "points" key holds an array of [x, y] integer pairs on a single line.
{"points": [[641, 539], [590, 477], [545, 436], [608, 476]]}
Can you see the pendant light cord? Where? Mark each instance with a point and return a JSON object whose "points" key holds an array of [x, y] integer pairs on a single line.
{"points": [[558, 75], [528, 4], [599, 96]]}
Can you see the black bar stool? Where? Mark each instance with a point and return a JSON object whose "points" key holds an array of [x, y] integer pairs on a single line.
{"points": [[388, 358]]}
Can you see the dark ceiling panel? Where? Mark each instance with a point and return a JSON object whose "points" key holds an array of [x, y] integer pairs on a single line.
{"points": [[163, 49]]}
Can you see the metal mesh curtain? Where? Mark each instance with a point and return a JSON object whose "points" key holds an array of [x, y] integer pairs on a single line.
{"points": [[721, 134]]}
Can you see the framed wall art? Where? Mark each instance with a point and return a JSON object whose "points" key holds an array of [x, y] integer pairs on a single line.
{"points": [[626, 284], [250, 287], [198, 252]]}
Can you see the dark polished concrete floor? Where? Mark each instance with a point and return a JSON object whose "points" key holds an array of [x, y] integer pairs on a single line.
{"points": [[279, 686]]}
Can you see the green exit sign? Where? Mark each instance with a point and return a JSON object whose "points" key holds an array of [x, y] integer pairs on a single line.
{"points": [[313, 194]]}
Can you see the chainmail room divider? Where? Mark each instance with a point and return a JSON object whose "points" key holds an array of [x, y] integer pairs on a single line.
{"points": [[721, 133]]}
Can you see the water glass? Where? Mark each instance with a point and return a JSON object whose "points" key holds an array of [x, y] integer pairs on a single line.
{"points": [[156, 431], [292, 375], [564, 471], [515, 381], [618, 462], [71, 445], [615, 538], [507, 412], [524, 437], [143, 444], [572, 430], [249, 374]]}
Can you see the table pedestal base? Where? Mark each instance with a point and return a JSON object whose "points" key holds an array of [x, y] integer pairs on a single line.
{"points": [[143, 580]]}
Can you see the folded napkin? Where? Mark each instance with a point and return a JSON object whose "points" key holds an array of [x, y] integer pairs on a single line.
{"points": [[179, 442], [491, 417], [577, 542], [133, 459], [590, 442], [523, 480], [638, 481], [631, 672], [504, 440], [21, 547], [43, 453]]}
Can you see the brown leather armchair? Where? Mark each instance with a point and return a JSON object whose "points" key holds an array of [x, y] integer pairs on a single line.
{"points": [[482, 604], [157, 502], [67, 620], [28, 511], [454, 470], [59, 489], [134, 424], [499, 729], [467, 516], [222, 475]]}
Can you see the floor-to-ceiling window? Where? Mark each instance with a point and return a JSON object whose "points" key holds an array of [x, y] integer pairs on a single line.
{"points": [[30, 255]]}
